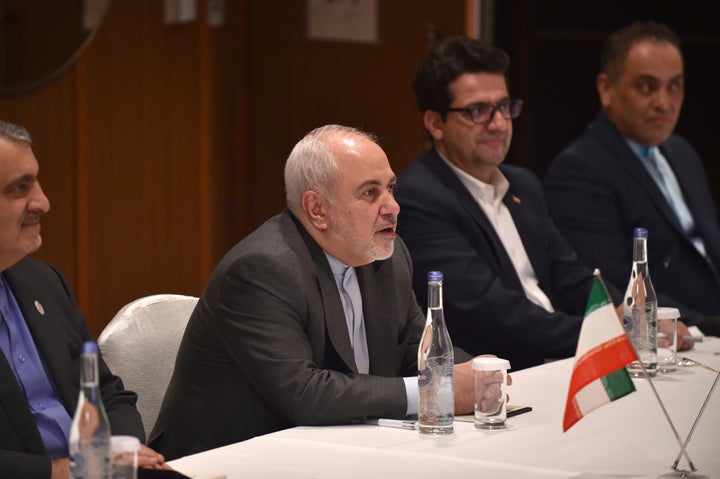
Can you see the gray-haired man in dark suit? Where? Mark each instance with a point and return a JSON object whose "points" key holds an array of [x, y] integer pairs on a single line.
{"points": [[271, 343]]}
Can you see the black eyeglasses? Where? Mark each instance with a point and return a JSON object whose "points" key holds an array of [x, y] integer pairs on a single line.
{"points": [[483, 113]]}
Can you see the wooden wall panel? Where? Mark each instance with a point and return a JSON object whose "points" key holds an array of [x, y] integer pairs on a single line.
{"points": [[224, 140], [139, 99], [297, 84], [138, 144], [48, 113], [164, 144]]}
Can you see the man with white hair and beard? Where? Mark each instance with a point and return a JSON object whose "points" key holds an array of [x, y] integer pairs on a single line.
{"points": [[311, 319]]}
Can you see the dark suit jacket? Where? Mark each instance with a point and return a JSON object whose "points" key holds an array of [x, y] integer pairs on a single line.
{"points": [[59, 334], [485, 306], [598, 191], [267, 346]]}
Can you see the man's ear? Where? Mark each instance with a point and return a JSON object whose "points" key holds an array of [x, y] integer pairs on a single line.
{"points": [[315, 207], [602, 82], [434, 124]]}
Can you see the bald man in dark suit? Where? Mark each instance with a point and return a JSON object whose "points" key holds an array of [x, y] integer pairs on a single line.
{"points": [[628, 169]]}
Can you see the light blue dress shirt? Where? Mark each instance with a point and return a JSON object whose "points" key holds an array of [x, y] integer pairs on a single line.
{"points": [[349, 289], [659, 169], [351, 299]]}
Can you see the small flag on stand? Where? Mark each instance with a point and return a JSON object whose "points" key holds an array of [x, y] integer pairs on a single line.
{"points": [[599, 375]]}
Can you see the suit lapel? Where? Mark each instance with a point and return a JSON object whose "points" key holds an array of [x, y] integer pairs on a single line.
{"points": [[620, 150], [335, 322], [530, 229], [687, 180], [12, 396], [450, 179], [335, 317], [379, 333], [46, 323]]}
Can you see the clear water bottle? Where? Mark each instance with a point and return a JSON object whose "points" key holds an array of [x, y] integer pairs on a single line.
{"points": [[640, 310], [435, 366], [90, 430]]}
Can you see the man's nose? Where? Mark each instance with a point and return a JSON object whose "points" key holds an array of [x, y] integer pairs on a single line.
{"points": [[38, 200], [390, 206], [662, 99]]}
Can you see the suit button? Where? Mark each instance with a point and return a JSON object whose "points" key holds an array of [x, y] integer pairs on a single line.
{"points": [[666, 263]]}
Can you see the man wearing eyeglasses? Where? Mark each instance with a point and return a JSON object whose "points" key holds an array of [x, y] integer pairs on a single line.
{"points": [[513, 286]]}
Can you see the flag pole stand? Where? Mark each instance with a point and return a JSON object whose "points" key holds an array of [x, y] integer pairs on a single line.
{"points": [[679, 473], [684, 473]]}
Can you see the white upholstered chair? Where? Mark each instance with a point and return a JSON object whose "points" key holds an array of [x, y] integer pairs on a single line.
{"points": [[140, 345]]}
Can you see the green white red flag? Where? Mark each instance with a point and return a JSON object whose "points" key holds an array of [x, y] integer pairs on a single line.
{"points": [[599, 375]]}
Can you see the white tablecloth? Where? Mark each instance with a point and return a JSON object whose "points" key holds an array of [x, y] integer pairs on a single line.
{"points": [[629, 438]]}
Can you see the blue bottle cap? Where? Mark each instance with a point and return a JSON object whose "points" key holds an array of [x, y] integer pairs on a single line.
{"points": [[640, 233], [435, 276], [90, 347]]}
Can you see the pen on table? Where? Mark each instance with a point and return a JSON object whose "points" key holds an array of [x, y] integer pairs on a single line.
{"points": [[693, 339], [396, 423]]}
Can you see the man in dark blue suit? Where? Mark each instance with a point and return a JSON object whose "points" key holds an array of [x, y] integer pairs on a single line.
{"points": [[629, 170], [513, 286]]}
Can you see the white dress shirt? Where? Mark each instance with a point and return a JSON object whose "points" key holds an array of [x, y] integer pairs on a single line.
{"points": [[489, 196]]}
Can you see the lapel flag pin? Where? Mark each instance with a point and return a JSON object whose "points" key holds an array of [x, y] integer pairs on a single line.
{"points": [[39, 307], [517, 200]]}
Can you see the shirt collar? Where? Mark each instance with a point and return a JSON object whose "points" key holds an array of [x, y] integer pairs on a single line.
{"points": [[491, 193], [338, 267], [642, 151]]}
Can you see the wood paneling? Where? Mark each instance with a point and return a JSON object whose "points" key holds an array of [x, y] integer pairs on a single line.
{"points": [[136, 145], [163, 145], [139, 98], [298, 84], [48, 113]]}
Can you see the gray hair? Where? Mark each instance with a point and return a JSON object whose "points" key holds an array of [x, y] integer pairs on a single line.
{"points": [[15, 133], [312, 166]]}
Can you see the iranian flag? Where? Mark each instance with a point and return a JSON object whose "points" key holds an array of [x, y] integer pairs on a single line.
{"points": [[603, 350]]}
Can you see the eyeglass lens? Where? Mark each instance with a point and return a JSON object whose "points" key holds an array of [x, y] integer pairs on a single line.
{"points": [[483, 113]]}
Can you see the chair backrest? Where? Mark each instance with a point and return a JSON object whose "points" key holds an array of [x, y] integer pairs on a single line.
{"points": [[140, 345]]}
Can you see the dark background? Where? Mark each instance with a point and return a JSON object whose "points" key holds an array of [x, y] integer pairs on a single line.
{"points": [[555, 51]]}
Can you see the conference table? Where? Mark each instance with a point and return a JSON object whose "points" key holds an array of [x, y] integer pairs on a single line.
{"points": [[628, 438]]}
